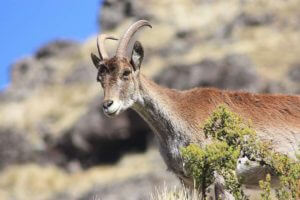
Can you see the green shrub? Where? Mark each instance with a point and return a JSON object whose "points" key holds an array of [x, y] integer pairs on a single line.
{"points": [[216, 157], [227, 126], [266, 188], [231, 136]]}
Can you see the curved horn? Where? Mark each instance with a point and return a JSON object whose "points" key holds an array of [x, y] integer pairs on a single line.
{"points": [[122, 47], [101, 50]]}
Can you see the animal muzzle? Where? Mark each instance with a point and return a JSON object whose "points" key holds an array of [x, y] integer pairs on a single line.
{"points": [[111, 107]]}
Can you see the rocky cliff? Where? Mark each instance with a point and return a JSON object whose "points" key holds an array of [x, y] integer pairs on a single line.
{"points": [[55, 142]]}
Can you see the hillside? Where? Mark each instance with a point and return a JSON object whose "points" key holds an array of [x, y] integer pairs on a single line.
{"points": [[55, 142]]}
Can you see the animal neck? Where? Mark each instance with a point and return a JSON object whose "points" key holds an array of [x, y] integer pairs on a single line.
{"points": [[158, 107]]}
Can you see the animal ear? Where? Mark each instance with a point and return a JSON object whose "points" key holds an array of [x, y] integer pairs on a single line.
{"points": [[137, 55], [96, 60]]}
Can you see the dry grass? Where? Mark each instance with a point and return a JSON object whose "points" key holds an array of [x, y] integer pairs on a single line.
{"points": [[181, 193], [175, 193], [34, 182], [54, 109], [272, 47]]}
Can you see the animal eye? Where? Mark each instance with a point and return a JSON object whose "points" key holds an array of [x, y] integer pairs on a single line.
{"points": [[126, 73], [102, 70]]}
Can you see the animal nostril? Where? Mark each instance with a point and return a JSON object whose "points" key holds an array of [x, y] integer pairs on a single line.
{"points": [[107, 103]]}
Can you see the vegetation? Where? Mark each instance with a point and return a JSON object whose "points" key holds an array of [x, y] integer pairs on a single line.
{"points": [[232, 137], [202, 163], [175, 193], [266, 187]]}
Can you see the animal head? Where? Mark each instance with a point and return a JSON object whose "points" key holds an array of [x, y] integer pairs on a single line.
{"points": [[119, 75]]}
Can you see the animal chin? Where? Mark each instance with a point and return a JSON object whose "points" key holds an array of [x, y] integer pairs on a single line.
{"points": [[112, 113]]}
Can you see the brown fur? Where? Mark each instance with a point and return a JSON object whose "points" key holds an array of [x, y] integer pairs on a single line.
{"points": [[273, 116], [264, 110]]}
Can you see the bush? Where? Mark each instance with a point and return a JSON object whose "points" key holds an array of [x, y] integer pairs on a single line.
{"points": [[232, 137]]}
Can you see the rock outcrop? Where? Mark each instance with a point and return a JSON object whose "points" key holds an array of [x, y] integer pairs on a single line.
{"points": [[51, 113], [231, 72]]}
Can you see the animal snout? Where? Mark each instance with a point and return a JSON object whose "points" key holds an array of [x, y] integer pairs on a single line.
{"points": [[107, 104]]}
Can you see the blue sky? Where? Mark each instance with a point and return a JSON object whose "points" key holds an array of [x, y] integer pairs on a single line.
{"points": [[26, 25]]}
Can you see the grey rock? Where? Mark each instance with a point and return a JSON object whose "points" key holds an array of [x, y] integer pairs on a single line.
{"points": [[231, 72], [248, 19], [38, 71], [14, 148], [57, 48], [82, 73], [276, 87], [30, 73], [96, 139], [224, 32], [238, 72], [114, 12], [294, 73]]}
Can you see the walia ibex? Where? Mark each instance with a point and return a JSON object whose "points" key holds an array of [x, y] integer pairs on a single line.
{"points": [[176, 117]]}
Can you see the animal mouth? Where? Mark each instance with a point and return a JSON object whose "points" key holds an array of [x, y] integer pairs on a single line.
{"points": [[112, 113]]}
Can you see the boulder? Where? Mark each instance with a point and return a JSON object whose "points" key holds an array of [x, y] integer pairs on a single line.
{"points": [[14, 148], [81, 74], [96, 139], [57, 48], [113, 12], [294, 73], [231, 72]]}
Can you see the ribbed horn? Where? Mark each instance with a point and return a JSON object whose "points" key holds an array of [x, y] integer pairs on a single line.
{"points": [[123, 44], [101, 50]]}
